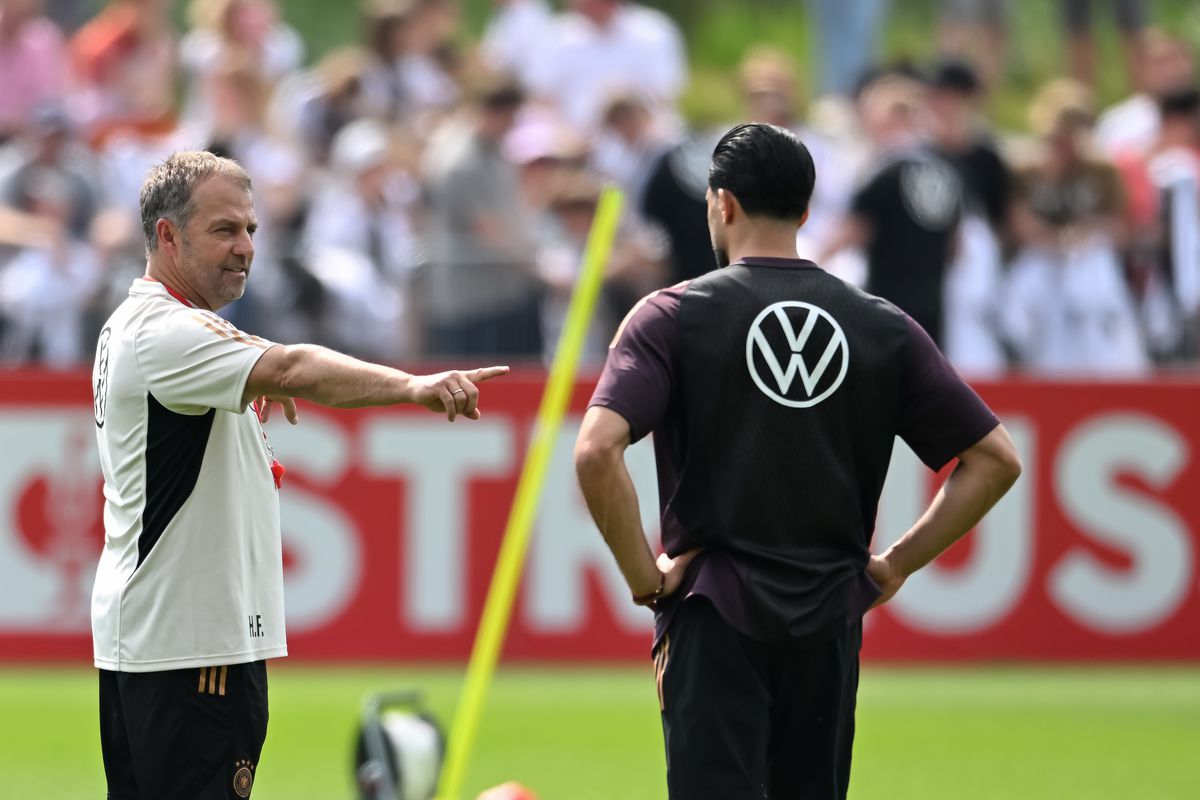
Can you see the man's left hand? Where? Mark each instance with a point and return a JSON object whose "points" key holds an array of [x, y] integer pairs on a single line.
{"points": [[888, 578], [673, 569]]}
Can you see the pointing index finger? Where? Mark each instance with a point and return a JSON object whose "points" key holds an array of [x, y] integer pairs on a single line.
{"points": [[486, 373]]}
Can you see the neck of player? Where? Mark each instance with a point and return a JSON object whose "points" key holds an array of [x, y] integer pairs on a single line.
{"points": [[762, 239], [161, 270]]}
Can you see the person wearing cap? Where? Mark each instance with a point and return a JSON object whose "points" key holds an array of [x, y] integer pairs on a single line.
{"points": [[953, 96], [360, 243], [906, 210], [1066, 307], [47, 286], [49, 145], [1170, 266], [51, 194], [979, 29], [478, 291]]}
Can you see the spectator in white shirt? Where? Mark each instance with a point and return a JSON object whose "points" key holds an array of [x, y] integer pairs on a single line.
{"points": [[359, 243], [427, 77], [1171, 301], [1067, 307], [602, 47], [385, 28], [246, 30], [515, 33], [1131, 126], [47, 287]]}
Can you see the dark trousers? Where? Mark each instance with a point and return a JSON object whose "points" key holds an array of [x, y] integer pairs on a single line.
{"points": [[185, 734], [745, 720]]}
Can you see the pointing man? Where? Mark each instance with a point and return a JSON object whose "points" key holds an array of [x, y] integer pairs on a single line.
{"points": [[188, 601]]}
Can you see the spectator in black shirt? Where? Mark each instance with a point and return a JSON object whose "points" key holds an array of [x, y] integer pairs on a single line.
{"points": [[970, 335], [774, 392], [906, 211], [954, 98]]}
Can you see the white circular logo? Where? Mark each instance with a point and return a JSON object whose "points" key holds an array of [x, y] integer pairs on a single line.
{"points": [[793, 339], [930, 192]]}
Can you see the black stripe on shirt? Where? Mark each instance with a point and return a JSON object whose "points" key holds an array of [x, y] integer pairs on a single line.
{"points": [[175, 445]]}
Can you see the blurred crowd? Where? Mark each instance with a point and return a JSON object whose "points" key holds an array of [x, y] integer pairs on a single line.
{"points": [[421, 197]]}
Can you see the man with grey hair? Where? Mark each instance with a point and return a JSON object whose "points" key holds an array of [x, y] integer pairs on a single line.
{"points": [[188, 599]]}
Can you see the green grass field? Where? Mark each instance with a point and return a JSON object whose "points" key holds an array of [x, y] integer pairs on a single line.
{"points": [[579, 734]]}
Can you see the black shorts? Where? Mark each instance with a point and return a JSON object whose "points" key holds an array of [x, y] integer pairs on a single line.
{"points": [[745, 720], [190, 734]]}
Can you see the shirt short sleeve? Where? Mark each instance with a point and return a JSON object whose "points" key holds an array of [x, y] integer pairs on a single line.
{"points": [[940, 415], [873, 199], [639, 374], [193, 360]]}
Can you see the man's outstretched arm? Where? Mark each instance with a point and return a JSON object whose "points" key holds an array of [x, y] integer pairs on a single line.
{"points": [[983, 474], [324, 376]]}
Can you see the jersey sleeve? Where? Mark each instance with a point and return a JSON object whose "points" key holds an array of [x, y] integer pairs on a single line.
{"points": [[940, 415], [639, 374], [870, 200], [194, 359]]}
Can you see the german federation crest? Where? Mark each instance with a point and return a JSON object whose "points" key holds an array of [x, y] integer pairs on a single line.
{"points": [[797, 353]]}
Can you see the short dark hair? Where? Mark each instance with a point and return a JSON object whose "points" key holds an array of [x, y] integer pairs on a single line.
{"points": [[955, 75], [767, 168], [1180, 103], [167, 191]]}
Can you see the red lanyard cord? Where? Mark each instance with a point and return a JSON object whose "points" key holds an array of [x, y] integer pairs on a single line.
{"points": [[277, 469]]}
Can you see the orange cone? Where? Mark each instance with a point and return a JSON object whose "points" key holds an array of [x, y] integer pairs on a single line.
{"points": [[507, 791]]}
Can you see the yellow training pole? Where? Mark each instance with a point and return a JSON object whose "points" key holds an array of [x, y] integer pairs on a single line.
{"points": [[497, 609]]}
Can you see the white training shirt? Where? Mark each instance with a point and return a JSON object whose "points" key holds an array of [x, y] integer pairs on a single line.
{"points": [[192, 568]]}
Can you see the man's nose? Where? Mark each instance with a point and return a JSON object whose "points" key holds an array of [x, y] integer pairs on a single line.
{"points": [[244, 246]]}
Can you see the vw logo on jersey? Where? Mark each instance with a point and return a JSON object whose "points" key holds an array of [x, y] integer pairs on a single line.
{"points": [[790, 340]]}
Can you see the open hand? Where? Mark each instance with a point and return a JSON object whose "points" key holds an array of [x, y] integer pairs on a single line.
{"points": [[454, 392]]}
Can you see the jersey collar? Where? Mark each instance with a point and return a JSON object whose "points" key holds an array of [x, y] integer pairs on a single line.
{"points": [[768, 261], [171, 291]]}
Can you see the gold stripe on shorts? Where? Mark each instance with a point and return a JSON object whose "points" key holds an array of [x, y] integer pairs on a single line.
{"points": [[660, 668], [203, 670], [224, 673]]}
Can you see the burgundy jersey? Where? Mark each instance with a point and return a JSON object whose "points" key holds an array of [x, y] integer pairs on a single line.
{"points": [[775, 393]]}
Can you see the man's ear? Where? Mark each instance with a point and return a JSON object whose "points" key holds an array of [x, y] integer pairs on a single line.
{"points": [[727, 205], [166, 232], [803, 219]]}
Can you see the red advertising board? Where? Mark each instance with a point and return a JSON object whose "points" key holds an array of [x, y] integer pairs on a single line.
{"points": [[392, 519]]}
